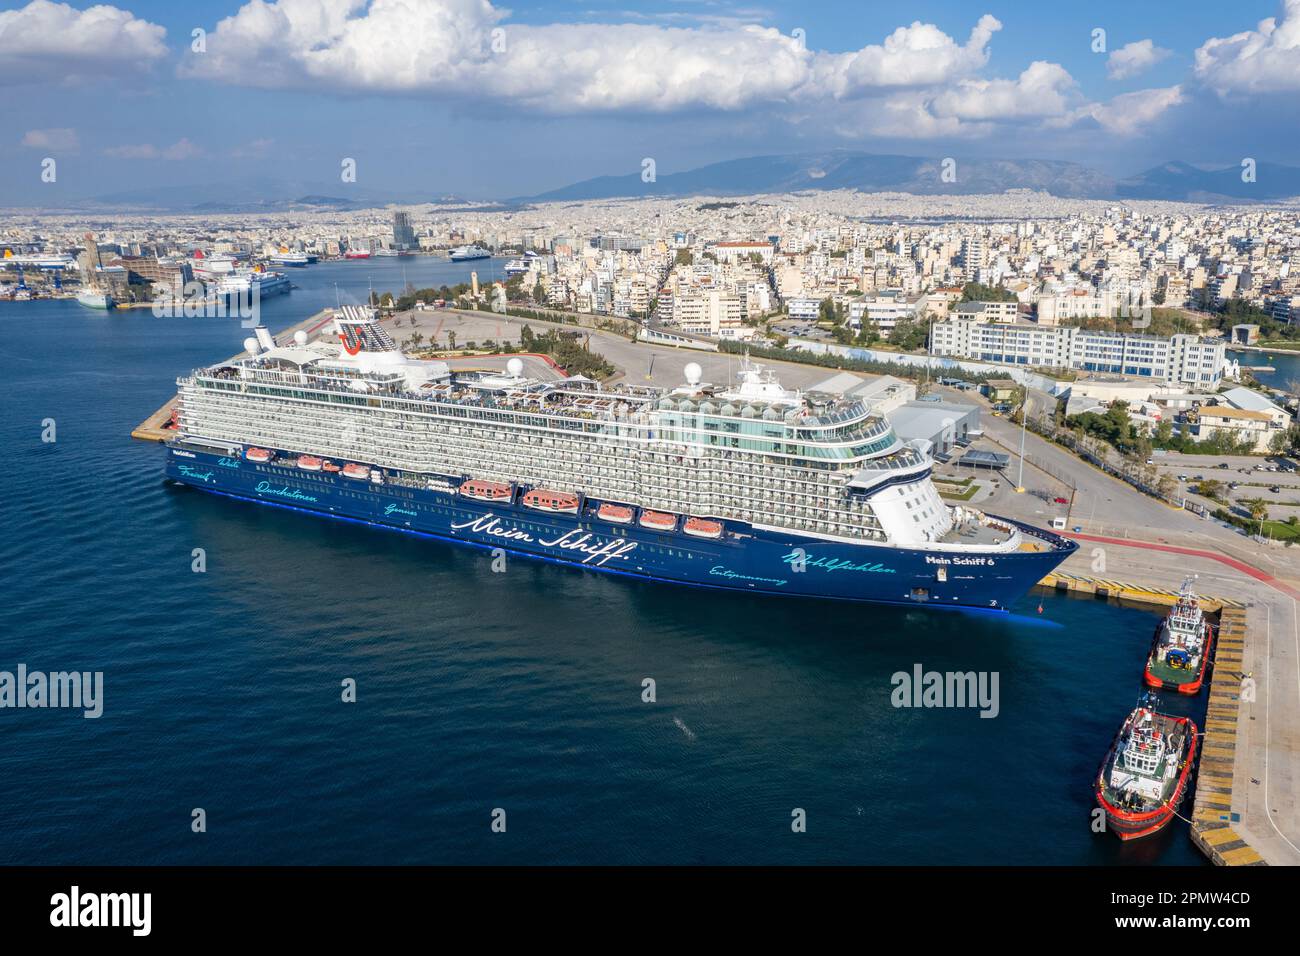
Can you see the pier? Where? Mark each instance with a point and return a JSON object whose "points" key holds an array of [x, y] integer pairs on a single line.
{"points": [[1213, 817]]}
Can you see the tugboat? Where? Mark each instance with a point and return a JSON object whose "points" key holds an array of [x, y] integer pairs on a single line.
{"points": [[1180, 650], [1145, 774]]}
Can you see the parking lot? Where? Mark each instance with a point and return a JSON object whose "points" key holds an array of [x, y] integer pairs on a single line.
{"points": [[1240, 477]]}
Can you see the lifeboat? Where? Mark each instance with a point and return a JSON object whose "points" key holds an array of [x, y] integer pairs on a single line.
{"points": [[310, 463], [329, 466], [557, 501], [485, 490], [259, 455], [658, 521], [351, 470], [619, 514], [703, 528]]}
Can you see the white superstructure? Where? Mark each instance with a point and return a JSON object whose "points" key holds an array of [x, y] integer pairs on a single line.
{"points": [[756, 452]]}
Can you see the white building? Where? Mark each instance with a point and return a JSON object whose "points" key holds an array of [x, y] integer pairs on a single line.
{"points": [[1183, 359]]}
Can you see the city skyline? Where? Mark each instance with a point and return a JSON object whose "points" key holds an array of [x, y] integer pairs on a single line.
{"points": [[484, 102]]}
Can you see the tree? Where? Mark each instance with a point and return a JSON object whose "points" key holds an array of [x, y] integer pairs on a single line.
{"points": [[826, 311], [978, 292], [1210, 488]]}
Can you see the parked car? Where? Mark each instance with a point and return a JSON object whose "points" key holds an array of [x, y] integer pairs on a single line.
{"points": [[1276, 490], [1223, 465], [1062, 501]]}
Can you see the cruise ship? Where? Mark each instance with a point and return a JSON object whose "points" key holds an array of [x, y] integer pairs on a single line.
{"points": [[244, 281], [465, 253], [749, 487]]}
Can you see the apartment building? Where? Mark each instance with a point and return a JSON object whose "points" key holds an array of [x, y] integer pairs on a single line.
{"points": [[1184, 359]]}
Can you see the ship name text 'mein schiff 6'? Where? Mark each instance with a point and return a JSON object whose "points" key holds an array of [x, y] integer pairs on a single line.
{"points": [[751, 487]]}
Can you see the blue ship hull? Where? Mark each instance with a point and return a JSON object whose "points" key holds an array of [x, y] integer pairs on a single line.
{"points": [[745, 559]]}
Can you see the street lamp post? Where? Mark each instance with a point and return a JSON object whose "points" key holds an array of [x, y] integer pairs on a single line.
{"points": [[1024, 418]]}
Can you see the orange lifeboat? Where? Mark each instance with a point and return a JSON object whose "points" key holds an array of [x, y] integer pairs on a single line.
{"points": [[351, 470], [329, 466], [558, 501], [259, 455], [619, 514], [485, 490], [658, 521], [703, 528], [310, 463]]}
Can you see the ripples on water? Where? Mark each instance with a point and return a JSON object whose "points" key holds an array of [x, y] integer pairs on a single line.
{"points": [[479, 690]]}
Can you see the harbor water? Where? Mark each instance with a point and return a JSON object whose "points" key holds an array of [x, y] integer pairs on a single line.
{"points": [[477, 691]]}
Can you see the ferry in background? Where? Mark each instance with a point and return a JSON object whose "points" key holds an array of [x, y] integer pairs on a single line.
{"points": [[752, 488], [357, 254], [295, 260], [247, 281], [94, 299], [466, 253], [521, 265]]}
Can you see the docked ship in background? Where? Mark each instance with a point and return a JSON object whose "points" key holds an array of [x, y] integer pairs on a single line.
{"points": [[751, 487], [1180, 650], [1146, 772], [245, 282], [466, 253], [516, 267], [94, 299], [294, 260]]}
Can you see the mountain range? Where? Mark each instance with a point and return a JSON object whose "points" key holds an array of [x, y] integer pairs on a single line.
{"points": [[833, 169], [919, 175]]}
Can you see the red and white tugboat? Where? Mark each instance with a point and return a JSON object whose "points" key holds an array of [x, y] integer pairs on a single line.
{"points": [[1180, 651], [1145, 775]]}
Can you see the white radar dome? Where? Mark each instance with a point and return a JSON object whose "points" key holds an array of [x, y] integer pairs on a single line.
{"points": [[300, 337], [693, 373], [515, 367], [250, 346]]}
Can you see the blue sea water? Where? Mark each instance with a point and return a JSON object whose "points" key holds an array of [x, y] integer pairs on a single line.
{"points": [[476, 690]]}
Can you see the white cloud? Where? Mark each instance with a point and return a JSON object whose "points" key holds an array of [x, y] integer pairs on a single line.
{"points": [[181, 149], [1134, 58], [464, 48], [1263, 60], [64, 140], [1130, 113], [1043, 90], [917, 55], [919, 82], [53, 42], [132, 151]]}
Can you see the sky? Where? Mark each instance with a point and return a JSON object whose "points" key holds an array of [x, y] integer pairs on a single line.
{"points": [[476, 99]]}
